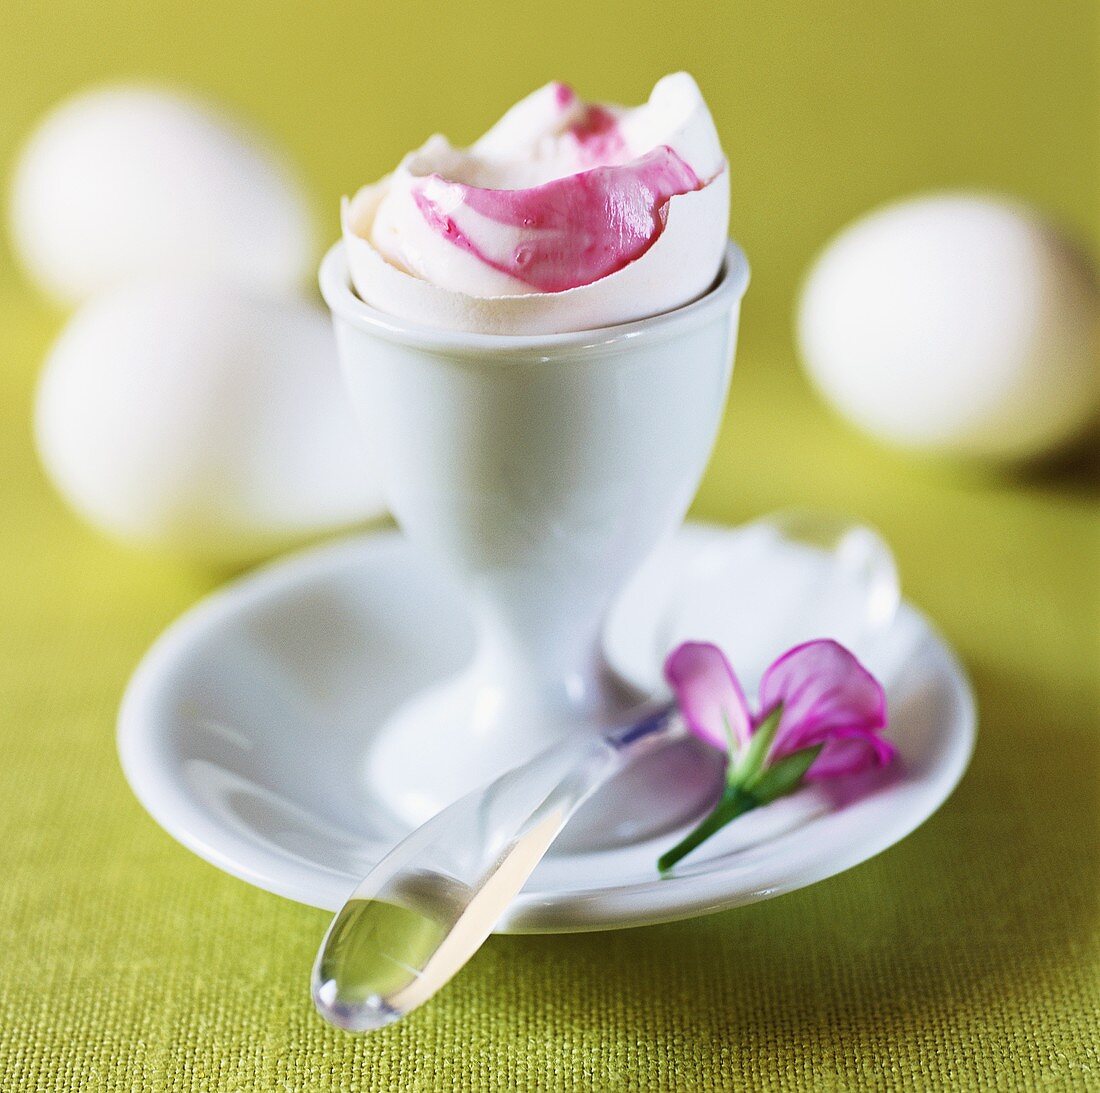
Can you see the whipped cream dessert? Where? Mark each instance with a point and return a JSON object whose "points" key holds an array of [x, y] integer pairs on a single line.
{"points": [[564, 216]]}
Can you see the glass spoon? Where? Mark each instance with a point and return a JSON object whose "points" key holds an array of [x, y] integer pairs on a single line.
{"points": [[431, 903], [420, 914]]}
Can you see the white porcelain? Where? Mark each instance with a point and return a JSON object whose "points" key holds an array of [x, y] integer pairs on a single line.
{"points": [[539, 472], [245, 731]]}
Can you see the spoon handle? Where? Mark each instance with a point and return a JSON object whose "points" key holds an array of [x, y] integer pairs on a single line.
{"points": [[430, 904]]}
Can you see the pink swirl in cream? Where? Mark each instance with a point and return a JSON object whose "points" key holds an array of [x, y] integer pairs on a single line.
{"points": [[598, 137], [564, 95], [567, 232], [563, 215]]}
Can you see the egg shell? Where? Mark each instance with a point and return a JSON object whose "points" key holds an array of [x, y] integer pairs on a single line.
{"points": [[206, 422], [127, 182], [959, 324]]}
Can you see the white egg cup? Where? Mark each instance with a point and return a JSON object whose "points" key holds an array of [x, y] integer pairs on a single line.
{"points": [[540, 472]]}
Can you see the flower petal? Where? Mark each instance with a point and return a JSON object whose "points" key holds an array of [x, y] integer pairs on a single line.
{"points": [[826, 695], [844, 754], [709, 695]]}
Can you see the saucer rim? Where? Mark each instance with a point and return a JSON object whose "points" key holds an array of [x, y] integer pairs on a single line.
{"points": [[150, 774]]}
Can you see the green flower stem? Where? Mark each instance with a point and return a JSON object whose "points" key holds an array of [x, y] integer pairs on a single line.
{"points": [[734, 802]]}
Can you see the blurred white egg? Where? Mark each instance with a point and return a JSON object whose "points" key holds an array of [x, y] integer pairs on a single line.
{"points": [[956, 323], [128, 182], [206, 422]]}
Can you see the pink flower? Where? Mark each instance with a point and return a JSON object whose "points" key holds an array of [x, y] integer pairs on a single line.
{"points": [[826, 699], [821, 714]]}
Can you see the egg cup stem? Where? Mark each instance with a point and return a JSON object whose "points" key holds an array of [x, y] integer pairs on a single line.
{"points": [[538, 473]]}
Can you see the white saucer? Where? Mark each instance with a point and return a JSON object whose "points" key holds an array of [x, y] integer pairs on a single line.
{"points": [[244, 729]]}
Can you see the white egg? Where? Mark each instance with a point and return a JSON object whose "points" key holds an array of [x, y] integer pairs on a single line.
{"points": [[959, 324], [128, 182], [206, 422]]}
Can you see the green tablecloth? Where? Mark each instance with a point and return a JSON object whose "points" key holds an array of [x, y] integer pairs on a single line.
{"points": [[967, 956]]}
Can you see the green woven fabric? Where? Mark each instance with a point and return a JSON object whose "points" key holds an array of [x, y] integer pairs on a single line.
{"points": [[966, 957]]}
